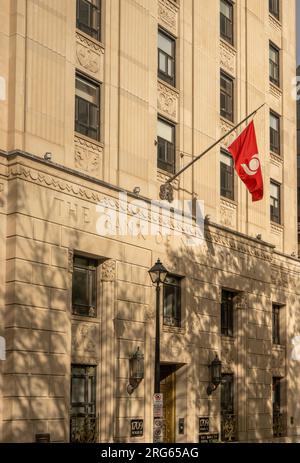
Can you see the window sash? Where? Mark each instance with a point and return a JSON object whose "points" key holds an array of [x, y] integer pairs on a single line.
{"points": [[165, 59], [91, 24], [227, 394], [227, 313], [226, 97], [84, 304], [276, 324], [274, 65], [226, 177], [275, 203], [274, 8], [172, 302], [86, 376], [226, 23], [276, 394]]}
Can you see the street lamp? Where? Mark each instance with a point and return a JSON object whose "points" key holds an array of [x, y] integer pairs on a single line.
{"points": [[215, 375], [158, 274]]}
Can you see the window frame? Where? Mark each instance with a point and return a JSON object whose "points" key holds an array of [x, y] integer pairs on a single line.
{"points": [[274, 65], [273, 148], [227, 313], [274, 217], [229, 39], [91, 270], [176, 317], [227, 193], [229, 116], [171, 80], [272, 11], [79, 124], [166, 166], [91, 31]]}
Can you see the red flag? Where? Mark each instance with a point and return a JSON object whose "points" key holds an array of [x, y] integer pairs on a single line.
{"points": [[246, 162]]}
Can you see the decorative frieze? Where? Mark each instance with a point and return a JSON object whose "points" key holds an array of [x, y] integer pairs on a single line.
{"points": [[85, 340], [274, 24], [276, 229], [276, 93], [88, 156], [228, 213], [279, 278], [108, 270], [224, 128], [227, 58], [167, 101], [90, 56], [168, 15], [276, 160]]}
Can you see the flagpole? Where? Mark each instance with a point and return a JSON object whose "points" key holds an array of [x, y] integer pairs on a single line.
{"points": [[166, 190]]}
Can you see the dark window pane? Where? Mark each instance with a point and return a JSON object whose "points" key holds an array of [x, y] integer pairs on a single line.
{"points": [[166, 146], [274, 64], [226, 176], [275, 202], [172, 301], [227, 398], [87, 107], [226, 20], [226, 97], [88, 17], [227, 313], [274, 8], [276, 324], [84, 287], [166, 58], [274, 133]]}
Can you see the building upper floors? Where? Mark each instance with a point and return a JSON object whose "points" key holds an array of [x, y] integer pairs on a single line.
{"points": [[130, 91]]}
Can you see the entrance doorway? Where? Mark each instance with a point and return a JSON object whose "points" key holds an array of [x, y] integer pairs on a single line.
{"points": [[168, 389]]}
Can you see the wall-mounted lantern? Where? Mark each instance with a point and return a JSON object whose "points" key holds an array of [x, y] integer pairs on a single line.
{"points": [[136, 370], [215, 375]]}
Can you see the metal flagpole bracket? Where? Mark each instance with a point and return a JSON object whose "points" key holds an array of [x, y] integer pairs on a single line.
{"points": [[166, 192]]}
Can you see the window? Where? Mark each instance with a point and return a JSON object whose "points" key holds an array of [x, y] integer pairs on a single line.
{"points": [[83, 404], [227, 313], [87, 106], [227, 399], [172, 301], [279, 419], [166, 146], [166, 57], [227, 175], [84, 287], [276, 323], [88, 17], [274, 133], [274, 64], [226, 20], [274, 8], [226, 101], [275, 202]]}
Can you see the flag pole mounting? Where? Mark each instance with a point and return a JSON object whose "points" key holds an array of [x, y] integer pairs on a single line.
{"points": [[166, 189]]}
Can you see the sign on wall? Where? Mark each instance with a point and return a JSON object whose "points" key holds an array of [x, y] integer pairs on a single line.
{"points": [[137, 428], [203, 424]]}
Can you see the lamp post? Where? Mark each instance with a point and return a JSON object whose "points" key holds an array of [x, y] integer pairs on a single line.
{"points": [[158, 274]]}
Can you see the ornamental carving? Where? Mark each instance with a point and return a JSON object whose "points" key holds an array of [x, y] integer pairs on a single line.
{"points": [[226, 127], [168, 15], [70, 260], [84, 339], [275, 92], [227, 214], [89, 54], [276, 229], [241, 301], [161, 177], [227, 58], [274, 24], [276, 160], [279, 278], [108, 270], [167, 101], [87, 155]]}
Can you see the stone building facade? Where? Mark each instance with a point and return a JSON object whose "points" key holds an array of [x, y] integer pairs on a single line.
{"points": [[77, 302]]}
